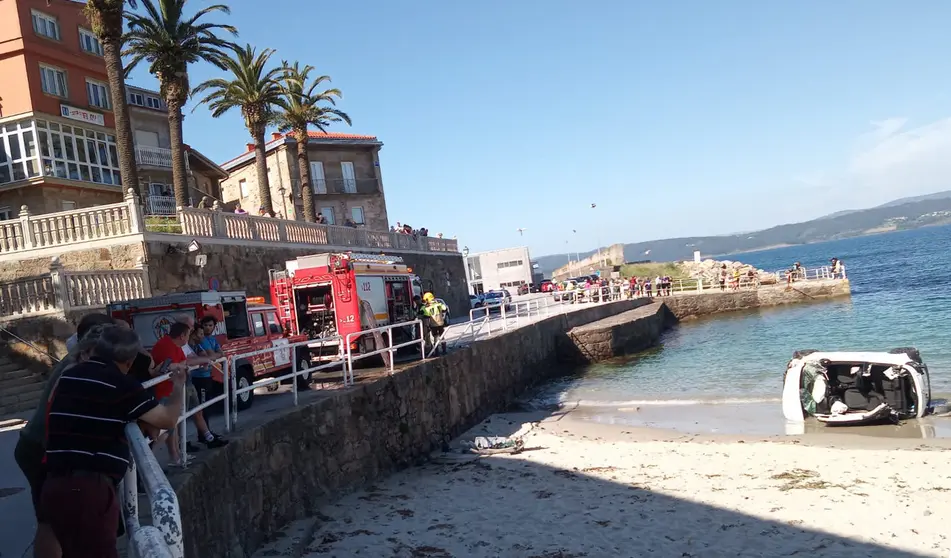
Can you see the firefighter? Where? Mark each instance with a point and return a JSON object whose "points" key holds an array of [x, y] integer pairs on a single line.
{"points": [[433, 315]]}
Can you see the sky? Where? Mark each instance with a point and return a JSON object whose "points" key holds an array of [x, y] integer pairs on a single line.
{"points": [[673, 118]]}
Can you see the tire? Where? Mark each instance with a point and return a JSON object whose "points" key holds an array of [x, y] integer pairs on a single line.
{"points": [[804, 353], [912, 353], [303, 363], [245, 379]]}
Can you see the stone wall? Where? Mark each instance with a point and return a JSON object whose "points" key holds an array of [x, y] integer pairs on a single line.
{"points": [[713, 302], [303, 457], [122, 255], [624, 333], [242, 267]]}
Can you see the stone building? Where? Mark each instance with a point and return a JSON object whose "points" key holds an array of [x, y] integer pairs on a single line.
{"points": [[57, 130], [345, 179]]}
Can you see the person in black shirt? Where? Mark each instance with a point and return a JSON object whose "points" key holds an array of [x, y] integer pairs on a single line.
{"points": [[87, 453]]}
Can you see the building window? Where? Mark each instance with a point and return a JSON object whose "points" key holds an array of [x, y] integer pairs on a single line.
{"points": [[69, 205], [328, 213], [512, 284], [89, 42], [78, 154], [356, 214], [243, 187], [513, 263], [5, 214], [136, 99], [45, 25], [98, 94], [53, 81], [153, 103], [18, 157]]}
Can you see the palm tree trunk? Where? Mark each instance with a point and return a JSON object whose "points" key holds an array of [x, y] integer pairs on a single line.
{"points": [[260, 163], [106, 19], [120, 107], [303, 167], [179, 174]]}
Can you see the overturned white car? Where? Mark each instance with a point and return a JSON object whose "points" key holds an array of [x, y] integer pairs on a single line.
{"points": [[855, 388]]}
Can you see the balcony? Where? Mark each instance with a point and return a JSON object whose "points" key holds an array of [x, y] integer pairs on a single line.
{"points": [[346, 186], [153, 156]]}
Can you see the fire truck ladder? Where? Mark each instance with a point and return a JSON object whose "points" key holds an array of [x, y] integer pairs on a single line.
{"points": [[282, 291]]}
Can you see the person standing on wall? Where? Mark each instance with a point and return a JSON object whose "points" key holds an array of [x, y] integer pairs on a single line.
{"points": [[433, 314]]}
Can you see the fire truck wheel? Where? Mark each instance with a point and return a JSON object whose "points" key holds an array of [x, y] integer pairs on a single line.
{"points": [[245, 379], [303, 381]]}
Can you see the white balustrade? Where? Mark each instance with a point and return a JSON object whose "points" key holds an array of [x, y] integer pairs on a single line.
{"points": [[153, 156], [218, 224], [60, 291]]}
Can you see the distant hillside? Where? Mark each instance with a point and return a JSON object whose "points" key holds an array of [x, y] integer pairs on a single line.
{"points": [[909, 213]]}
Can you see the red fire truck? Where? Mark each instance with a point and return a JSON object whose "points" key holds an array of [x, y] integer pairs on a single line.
{"points": [[327, 296], [245, 325]]}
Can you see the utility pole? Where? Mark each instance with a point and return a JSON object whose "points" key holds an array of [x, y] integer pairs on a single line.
{"points": [[600, 259]]}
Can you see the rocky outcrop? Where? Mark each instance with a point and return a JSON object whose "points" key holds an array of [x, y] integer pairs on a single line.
{"points": [[709, 270]]}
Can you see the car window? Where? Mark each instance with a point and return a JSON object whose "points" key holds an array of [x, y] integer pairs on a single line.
{"points": [[257, 324], [272, 325]]}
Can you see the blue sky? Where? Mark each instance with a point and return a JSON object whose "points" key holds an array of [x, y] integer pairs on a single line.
{"points": [[675, 118]]}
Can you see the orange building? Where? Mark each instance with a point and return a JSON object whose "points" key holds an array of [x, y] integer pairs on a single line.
{"points": [[57, 129]]}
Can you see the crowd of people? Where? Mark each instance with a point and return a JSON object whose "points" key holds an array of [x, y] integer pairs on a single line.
{"points": [[74, 451]]}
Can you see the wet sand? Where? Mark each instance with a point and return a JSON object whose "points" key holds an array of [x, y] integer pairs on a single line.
{"points": [[749, 419], [586, 489]]}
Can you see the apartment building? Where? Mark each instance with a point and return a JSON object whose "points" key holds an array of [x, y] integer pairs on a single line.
{"points": [[345, 179], [499, 269], [57, 130]]}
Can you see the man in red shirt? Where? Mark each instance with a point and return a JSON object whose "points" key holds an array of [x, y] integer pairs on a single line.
{"points": [[170, 348]]}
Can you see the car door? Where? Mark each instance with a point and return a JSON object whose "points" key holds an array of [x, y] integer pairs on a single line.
{"points": [[261, 340], [282, 357]]}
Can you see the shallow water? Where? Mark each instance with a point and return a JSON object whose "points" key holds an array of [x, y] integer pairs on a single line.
{"points": [[718, 369]]}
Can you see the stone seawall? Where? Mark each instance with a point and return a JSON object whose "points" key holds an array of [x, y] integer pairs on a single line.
{"points": [[712, 302], [238, 497], [627, 332]]}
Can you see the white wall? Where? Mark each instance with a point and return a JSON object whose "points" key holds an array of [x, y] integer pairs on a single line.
{"points": [[493, 277]]}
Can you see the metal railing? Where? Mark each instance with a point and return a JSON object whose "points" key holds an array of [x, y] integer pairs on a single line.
{"points": [[389, 348], [160, 205], [153, 156], [163, 539]]}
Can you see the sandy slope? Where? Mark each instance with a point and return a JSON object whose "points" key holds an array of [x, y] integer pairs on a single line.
{"points": [[578, 496]]}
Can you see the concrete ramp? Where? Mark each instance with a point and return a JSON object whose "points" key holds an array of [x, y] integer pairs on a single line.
{"points": [[624, 333]]}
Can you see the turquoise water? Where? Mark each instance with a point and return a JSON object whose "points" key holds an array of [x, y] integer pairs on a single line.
{"points": [[901, 296]]}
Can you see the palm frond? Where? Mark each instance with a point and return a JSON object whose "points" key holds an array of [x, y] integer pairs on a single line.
{"points": [[304, 104]]}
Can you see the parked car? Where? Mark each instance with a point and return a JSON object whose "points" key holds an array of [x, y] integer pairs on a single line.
{"points": [[546, 286], [495, 300], [475, 301], [524, 289]]}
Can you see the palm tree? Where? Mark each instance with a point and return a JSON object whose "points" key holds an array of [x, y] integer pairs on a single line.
{"points": [[254, 89], [169, 41], [304, 106], [105, 18]]}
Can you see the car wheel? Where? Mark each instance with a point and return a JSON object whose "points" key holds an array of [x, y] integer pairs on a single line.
{"points": [[303, 363], [245, 379]]}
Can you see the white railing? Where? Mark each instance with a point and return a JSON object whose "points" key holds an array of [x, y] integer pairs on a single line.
{"points": [[205, 223], [60, 291], [389, 348], [162, 539], [160, 205], [31, 232], [153, 156]]}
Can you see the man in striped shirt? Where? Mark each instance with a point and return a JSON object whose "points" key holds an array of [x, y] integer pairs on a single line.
{"points": [[87, 453]]}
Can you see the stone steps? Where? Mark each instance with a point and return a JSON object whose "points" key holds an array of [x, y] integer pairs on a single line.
{"points": [[20, 388]]}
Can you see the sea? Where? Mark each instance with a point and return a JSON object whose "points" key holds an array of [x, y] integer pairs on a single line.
{"points": [[723, 374]]}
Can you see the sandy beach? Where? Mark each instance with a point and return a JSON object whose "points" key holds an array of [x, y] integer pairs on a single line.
{"points": [[581, 489]]}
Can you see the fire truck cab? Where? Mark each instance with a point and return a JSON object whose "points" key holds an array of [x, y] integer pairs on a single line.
{"points": [[328, 296], [245, 325]]}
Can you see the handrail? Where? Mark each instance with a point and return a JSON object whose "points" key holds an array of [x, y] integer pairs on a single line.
{"points": [[390, 348], [163, 539]]}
